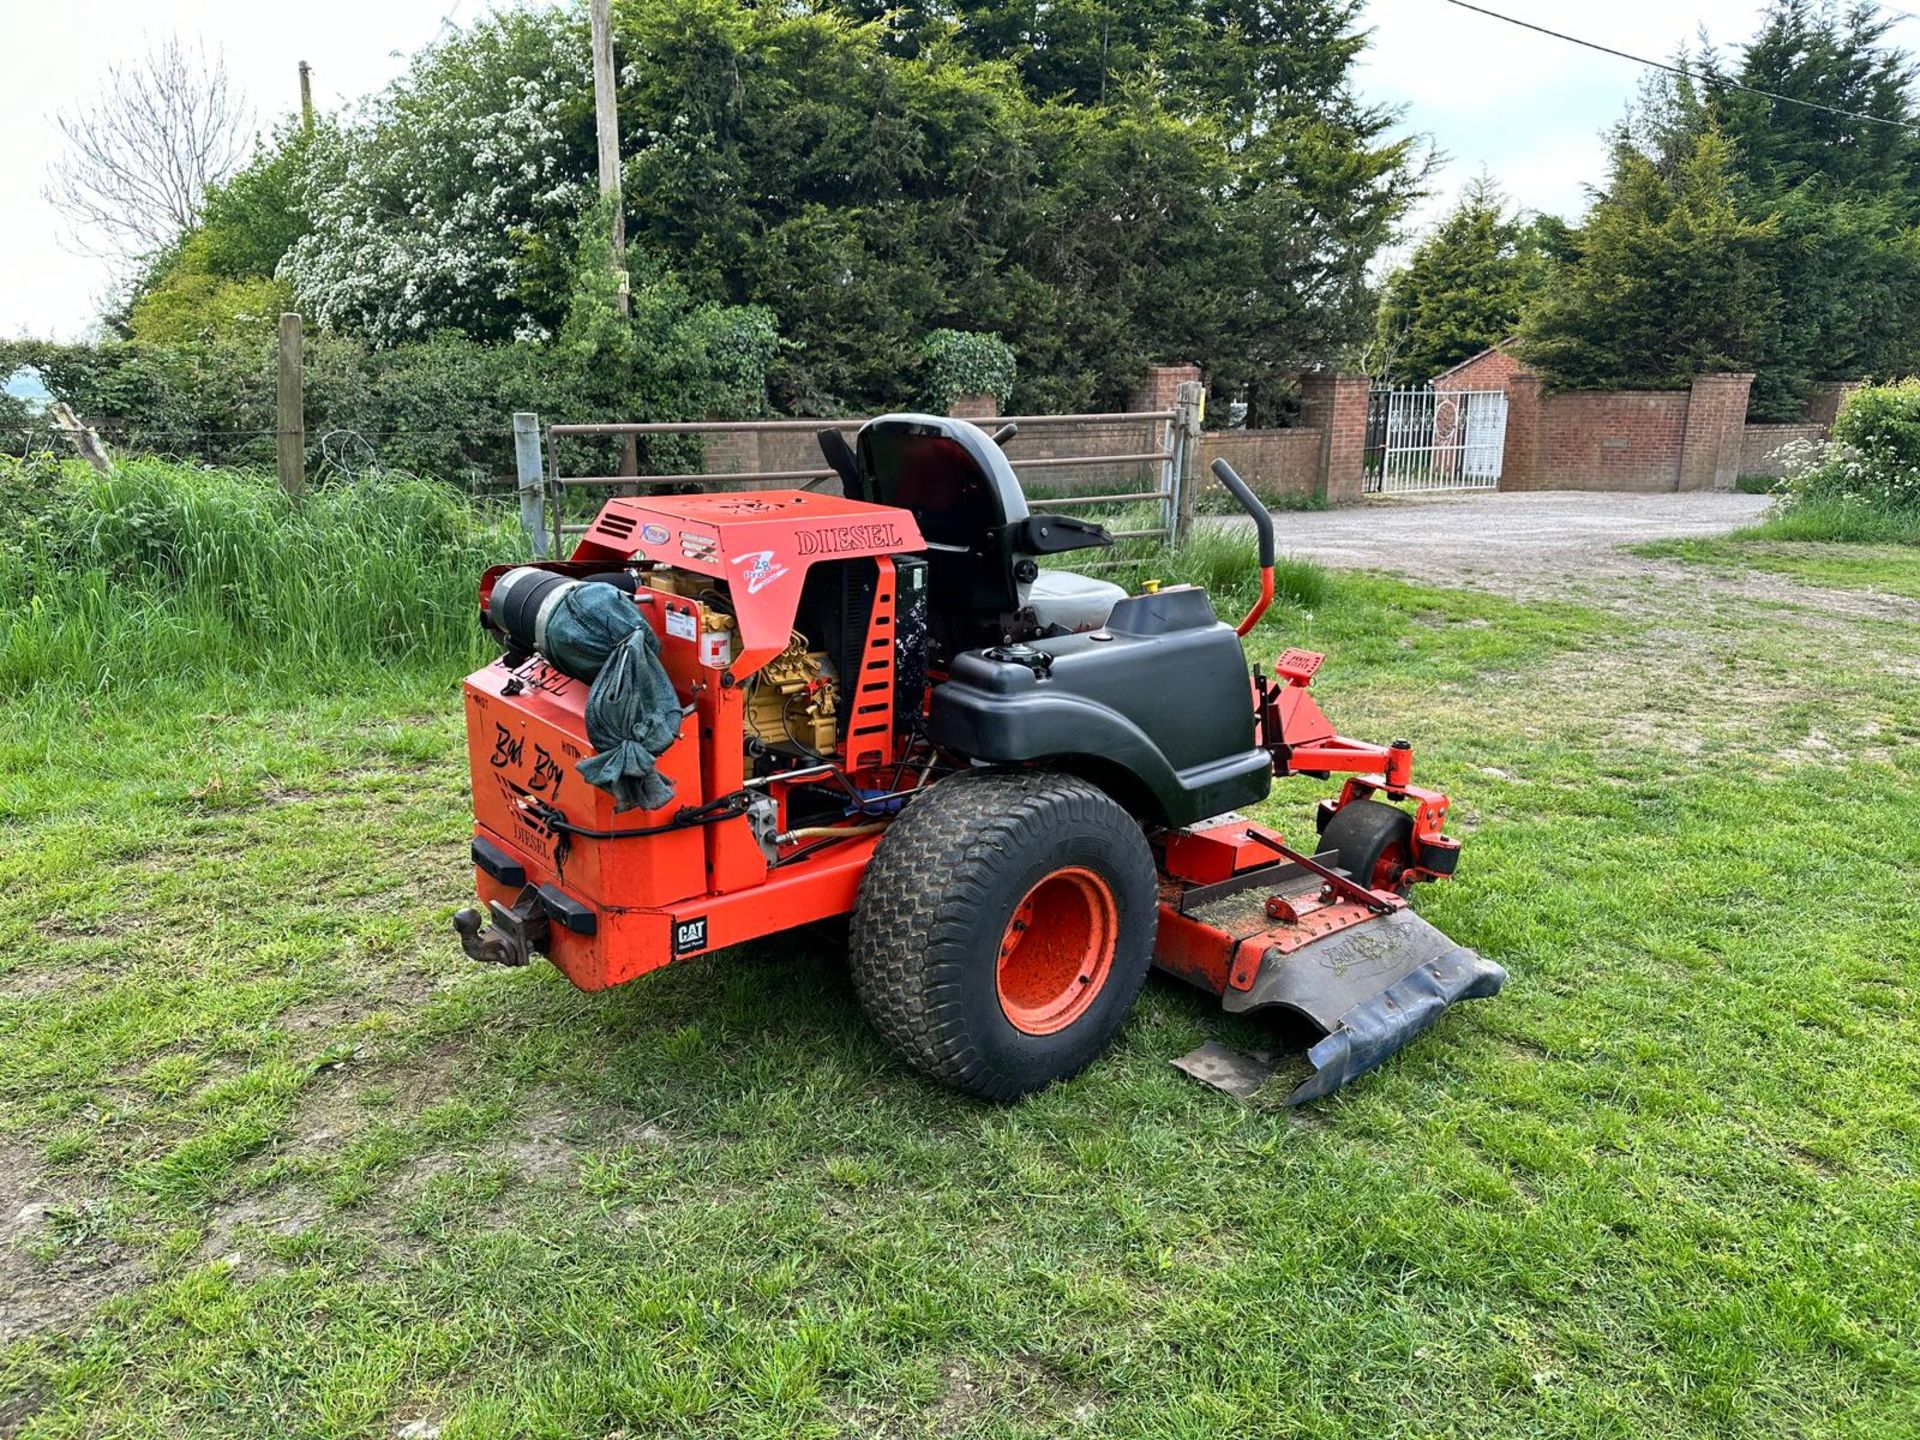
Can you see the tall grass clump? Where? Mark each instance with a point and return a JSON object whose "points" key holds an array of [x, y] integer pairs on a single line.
{"points": [[168, 571], [1863, 486], [1221, 558]]}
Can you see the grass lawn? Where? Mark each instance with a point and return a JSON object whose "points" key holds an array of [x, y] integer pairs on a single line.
{"points": [[276, 1161], [1882, 569]]}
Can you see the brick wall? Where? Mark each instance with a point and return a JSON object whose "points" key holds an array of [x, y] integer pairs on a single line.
{"points": [[1091, 437], [738, 453], [792, 451], [1760, 447], [1160, 387], [1520, 463], [1278, 464], [1489, 370], [1823, 406], [1716, 422], [1596, 440], [1336, 406], [1320, 458], [1644, 440]]}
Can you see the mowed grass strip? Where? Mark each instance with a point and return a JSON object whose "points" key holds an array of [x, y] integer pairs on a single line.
{"points": [[313, 1174], [1834, 544]]}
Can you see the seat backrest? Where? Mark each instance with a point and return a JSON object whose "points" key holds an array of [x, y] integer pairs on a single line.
{"points": [[964, 496], [953, 478]]}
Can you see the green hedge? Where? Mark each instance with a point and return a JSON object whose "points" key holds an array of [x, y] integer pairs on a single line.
{"points": [[442, 407], [956, 364]]}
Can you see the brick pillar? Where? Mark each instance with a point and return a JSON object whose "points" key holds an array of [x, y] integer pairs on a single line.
{"points": [[1520, 465], [1828, 397], [975, 407], [1716, 432], [1336, 406], [1159, 388]]}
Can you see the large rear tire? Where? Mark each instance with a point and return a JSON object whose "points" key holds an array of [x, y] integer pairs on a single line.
{"points": [[1005, 927]]}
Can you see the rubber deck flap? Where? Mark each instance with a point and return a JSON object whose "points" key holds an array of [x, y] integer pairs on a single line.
{"points": [[1376, 1028], [1373, 988]]}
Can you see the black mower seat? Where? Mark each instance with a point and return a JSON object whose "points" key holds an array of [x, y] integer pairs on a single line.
{"points": [[981, 538]]}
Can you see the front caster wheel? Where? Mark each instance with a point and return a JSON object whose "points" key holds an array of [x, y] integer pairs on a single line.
{"points": [[1375, 841]]}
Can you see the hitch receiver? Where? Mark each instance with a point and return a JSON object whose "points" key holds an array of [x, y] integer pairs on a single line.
{"points": [[516, 933]]}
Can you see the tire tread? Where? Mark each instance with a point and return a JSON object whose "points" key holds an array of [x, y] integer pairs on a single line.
{"points": [[923, 895]]}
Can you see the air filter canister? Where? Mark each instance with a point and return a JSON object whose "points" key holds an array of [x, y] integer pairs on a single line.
{"points": [[522, 600]]}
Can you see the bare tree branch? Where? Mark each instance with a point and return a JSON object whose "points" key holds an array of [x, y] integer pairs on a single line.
{"points": [[139, 159]]}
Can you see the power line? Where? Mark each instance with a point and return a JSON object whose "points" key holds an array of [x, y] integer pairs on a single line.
{"points": [[1686, 74]]}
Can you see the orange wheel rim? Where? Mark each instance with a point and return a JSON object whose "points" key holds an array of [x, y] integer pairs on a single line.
{"points": [[1057, 951], [1388, 868]]}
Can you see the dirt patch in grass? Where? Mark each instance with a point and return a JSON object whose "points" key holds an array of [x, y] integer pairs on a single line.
{"points": [[1021, 1385], [56, 1264], [545, 1143], [239, 1233], [344, 1100], [25, 982], [403, 988], [58, 927]]}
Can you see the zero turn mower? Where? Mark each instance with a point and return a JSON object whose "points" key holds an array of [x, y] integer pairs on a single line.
{"points": [[728, 715]]}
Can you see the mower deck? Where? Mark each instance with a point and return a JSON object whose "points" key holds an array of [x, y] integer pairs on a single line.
{"points": [[1357, 964]]}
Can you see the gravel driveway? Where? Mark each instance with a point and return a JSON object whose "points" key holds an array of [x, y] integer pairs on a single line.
{"points": [[1566, 545], [1562, 530]]}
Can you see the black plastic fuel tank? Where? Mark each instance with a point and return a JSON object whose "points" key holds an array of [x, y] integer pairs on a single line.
{"points": [[1161, 692]]}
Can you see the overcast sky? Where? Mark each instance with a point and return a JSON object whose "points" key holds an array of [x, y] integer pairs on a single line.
{"points": [[1527, 109]]}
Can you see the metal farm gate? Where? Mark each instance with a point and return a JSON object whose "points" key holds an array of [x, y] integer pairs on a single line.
{"points": [[1435, 440], [1150, 456]]}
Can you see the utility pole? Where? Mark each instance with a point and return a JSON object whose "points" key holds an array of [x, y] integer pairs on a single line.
{"points": [[606, 127], [306, 98]]}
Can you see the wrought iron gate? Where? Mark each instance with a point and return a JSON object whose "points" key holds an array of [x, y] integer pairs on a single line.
{"points": [[1435, 440]]}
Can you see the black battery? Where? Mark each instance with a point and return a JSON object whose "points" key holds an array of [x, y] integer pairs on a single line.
{"points": [[909, 639]]}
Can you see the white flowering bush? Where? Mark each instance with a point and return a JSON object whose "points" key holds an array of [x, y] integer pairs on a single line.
{"points": [[1873, 461], [445, 196]]}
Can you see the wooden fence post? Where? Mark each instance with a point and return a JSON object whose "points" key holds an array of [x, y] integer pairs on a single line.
{"points": [[533, 480], [290, 432], [85, 442]]}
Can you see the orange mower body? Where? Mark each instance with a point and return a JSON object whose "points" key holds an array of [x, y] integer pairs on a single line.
{"points": [[1021, 783]]}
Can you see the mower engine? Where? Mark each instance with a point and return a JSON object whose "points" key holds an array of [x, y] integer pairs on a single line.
{"points": [[729, 715]]}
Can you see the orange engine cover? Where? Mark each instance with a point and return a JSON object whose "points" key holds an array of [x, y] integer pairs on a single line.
{"points": [[634, 903]]}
